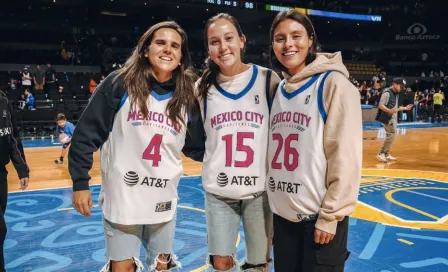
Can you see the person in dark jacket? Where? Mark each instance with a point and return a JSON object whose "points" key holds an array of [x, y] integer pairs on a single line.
{"points": [[389, 105], [11, 149], [141, 117]]}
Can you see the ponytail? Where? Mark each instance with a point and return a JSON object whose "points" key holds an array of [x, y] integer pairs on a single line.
{"points": [[208, 77]]}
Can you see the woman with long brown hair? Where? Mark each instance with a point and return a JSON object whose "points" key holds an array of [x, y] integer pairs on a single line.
{"points": [[138, 117], [234, 96]]}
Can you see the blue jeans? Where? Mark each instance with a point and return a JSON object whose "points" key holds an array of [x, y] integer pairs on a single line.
{"points": [[223, 220], [123, 242]]}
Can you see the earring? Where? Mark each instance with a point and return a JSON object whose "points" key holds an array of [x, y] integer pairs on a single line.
{"points": [[146, 56]]}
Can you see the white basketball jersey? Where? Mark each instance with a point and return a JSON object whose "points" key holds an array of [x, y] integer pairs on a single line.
{"points": [[141, 165], [236, 126], [297, 162]]}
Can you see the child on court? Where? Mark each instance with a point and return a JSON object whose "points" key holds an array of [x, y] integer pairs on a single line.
{"points": [[138, 118], [234, 100], [67, 128], [315, 150]]}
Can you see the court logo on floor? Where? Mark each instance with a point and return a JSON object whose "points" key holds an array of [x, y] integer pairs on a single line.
{"points": [[405, 202]]}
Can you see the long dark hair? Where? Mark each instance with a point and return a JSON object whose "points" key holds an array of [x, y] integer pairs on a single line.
{"points": [[212, 69], [138, 76], [303, 20]]}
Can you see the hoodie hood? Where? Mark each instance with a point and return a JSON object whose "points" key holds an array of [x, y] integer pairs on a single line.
{"points": [[323, 63]]}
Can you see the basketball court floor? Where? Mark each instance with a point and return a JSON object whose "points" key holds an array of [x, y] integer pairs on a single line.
{"points": [[400, 222]]}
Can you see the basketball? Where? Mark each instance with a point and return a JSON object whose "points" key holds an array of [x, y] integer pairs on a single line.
{"points": [[63, 138]]}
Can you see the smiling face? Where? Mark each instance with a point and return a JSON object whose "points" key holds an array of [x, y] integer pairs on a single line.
{"points": [[291, 44], [164, 53], [224, 44]]}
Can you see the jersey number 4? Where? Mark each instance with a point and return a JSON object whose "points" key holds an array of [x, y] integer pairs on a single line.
{"points": [[290, 155], [152, 151], [240, 147]]}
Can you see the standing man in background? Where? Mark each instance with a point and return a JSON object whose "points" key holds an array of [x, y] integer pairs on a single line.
{"points": [[438, 101], [10, 149], [388, 107]]}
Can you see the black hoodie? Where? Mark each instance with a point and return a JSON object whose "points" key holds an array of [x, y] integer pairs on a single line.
{"points": [[92, 132], [10, 143]]}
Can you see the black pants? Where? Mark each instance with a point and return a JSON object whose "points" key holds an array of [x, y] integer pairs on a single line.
{"points": [[296, 251], [436, 114], [3, 200]]}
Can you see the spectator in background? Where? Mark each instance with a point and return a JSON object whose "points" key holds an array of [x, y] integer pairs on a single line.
{"points": [[63, 126], [438, 100], [26, 79], [29, 100], [409, 99], [92, 85], [389, 105], [39, 79], [50, 79]]}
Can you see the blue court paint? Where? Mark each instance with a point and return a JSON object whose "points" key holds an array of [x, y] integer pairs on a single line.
{"points": [[435, 263], [40, 238], [9, 243], [373, 243], [429, 205], [23, 226], [422, 237]]}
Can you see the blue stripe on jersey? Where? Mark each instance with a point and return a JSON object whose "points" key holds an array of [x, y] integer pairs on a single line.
{"points": [[123, 100], [291, 95], [161, 97], [320, 99], [244, 91], [268, 89]]}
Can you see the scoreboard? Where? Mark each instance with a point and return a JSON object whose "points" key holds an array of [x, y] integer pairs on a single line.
{"points": [[251, 5], [233, 4]]}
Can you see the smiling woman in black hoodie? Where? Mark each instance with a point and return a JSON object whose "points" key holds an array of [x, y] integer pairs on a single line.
{"points": [[139, 118]]}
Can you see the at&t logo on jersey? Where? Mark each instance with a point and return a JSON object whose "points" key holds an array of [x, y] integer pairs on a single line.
{"points": [[131, 179], [283, 186], [223, 180]]}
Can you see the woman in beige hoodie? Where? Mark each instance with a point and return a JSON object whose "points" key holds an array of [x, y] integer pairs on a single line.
{"points": [[315, 150]]}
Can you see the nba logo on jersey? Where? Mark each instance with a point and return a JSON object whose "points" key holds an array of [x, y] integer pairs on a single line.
{"points": [[257, 100], [307, 99]]}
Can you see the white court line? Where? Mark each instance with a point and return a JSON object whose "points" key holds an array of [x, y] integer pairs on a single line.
{"points": [[427, 132], [431, 196], [408, 170], [404, 227]]}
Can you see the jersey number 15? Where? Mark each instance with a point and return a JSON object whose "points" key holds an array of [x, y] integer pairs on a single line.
{"points": [[240, 147]]}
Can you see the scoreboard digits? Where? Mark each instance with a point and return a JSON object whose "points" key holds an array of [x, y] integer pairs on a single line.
{"points": [[249, 5], [233, 3]]}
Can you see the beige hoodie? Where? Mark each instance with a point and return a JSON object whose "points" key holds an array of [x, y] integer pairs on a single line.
{"points": [[342, 137]]}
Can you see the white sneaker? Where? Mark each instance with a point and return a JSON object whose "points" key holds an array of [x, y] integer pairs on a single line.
{"points": [[381, 157], [390, 158]]}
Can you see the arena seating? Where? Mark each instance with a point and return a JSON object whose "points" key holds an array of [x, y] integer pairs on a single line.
{"points": [[356, 69]]}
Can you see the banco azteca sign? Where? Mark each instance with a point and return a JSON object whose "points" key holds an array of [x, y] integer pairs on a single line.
{"points": [[415, 32]]}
